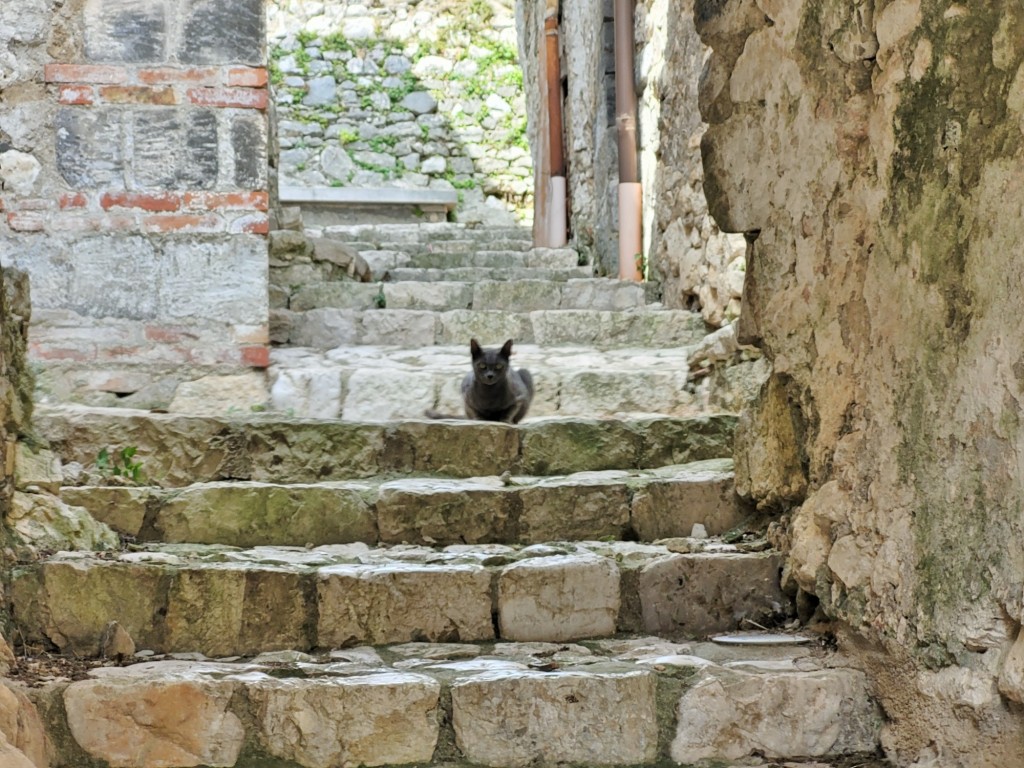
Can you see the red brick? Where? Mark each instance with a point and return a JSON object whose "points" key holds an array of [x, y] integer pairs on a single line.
{"points": [[182, 223], [80, 95], [73, 200], [172, 76], [147, 201], [247, 77], [85, 73], [255, 357], [26, 221], [238, 98], [252, 225], [240, 201], [138, 94]]}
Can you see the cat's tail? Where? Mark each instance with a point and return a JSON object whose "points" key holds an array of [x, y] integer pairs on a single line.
{"points": [[430, 413]]}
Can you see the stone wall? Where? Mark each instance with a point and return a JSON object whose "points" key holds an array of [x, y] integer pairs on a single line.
{"points": [[134, 188], [698, 266], [413, 95], [877, 148], [15, 376]]}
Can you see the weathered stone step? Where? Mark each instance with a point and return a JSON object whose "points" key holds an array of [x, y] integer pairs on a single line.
{"points": [[176, 450], [509, 296], [223, 601], [642, 505], [637, 701], [330, 328], [381, 261], [476, 274], [374, 383], [376, 234]]}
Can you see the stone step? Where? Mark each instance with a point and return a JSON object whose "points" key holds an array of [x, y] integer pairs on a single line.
{"points": [[382, 261], [405, 234], [510, 296], [176, 450], [330, 328], [634, 701], [616, 504], [369, 383], [223, 601], [477, 274]]}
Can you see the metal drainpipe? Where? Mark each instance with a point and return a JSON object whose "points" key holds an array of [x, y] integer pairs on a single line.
{"points": [[556, 223], [630, 192]]}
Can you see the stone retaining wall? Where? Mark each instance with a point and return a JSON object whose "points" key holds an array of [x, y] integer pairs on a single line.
{"points": [[411, 95], [133, 161]]}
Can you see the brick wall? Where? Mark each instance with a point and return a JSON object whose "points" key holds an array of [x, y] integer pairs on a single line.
{"points": [[133, 157]]}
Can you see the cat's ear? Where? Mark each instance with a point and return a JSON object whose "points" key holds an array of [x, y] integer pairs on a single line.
{"points": [[474, 348], [506, 349]]}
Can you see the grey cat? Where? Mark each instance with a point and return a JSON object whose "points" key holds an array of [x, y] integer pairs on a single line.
{"points": [[493, 391]]}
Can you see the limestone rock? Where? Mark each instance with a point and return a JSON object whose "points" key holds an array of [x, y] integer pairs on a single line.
{"points": [[702, 495], [22, 733], [135, 723], [515, 719], [40, 468], [402, 602], [729, 715], [116, 643], [378, 719], [554, 599], [221, 395], [46, 522]]}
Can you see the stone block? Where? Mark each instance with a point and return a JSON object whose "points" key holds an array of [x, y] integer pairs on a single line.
{"points": [[701, 493], [552, 258], [400, 327], [129, 31], [576, 508], [39, 468], [221, 395], [311, 451], [89, 146], [439, 296], [227, 32], [378, 719], [443, 512], [489, 328], [307, 392], [402, 602], [325, 328], [636, 391], [518, 296], [516, 719], [249, 151], [387, 395], [260, 514], [680, 441], [23, 739], [564, 447], [698, 594], [597, 293], [730, 714], [122, 508], [335, 295], [46, 522], [175, 149], [559, 598], [139, 723]]}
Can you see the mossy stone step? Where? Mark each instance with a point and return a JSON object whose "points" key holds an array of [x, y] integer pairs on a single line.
{"points": [[644, 505], [381, 260], [636, 701], [414, 234], [476, 274], [178, 450], [330, 328], [223, 601]]}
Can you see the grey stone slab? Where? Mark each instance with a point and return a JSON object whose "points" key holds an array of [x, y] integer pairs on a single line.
{"points": [[489, 328], [130, 31], [89, 147], [440, 296], [249, 151], [695, 494], [175, 148], [223, 33], [335, 295], [516, 296]]}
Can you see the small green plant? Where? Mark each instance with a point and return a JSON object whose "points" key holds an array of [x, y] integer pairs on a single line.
{"points": [[120, 463], [380, 301], [345, 136]]}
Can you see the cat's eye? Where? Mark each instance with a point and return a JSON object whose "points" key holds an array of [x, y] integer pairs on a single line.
{"points": [[500, 367], [481, 366]]}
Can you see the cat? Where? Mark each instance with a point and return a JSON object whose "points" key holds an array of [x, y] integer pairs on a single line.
{"points": [[493, 391]]}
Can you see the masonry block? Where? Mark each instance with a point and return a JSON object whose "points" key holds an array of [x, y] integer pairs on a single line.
{"points": [[89, 147], [249, 151], [131, 31], [223, 31], [175, 148]]}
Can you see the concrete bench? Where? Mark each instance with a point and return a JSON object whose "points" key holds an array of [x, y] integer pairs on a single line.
{"points": [[324, 206]]}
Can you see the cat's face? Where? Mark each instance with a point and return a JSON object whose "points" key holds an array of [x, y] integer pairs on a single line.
{"points": [[490, 365]]}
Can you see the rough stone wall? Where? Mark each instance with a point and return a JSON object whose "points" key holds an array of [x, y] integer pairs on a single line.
{"points": [[698, 266], [133, 163], [15, 377], [877, 147], [424, 95]]}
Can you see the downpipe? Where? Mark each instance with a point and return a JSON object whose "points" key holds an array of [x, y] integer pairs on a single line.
{"points": [[630, 190]]}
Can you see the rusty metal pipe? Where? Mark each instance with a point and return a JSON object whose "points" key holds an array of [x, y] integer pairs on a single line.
{"points": [[630, 191]]}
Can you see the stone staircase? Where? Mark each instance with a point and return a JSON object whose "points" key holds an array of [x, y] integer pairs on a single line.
{"points": [[389, 590]]}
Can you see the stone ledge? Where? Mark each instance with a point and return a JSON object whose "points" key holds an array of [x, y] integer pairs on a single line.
{"points": [[347, 196]]}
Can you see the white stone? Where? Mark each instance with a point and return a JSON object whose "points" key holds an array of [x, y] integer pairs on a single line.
{"points": [[1011, 676], [730, 714], [360, 28], [18, 172], [221, 395], [372, 396], [375, 719], [307, 392], [336, 163], [402, 602], [322, 91], [432, 66], [513, 719], [419, 103], [434, 165], [555, 599], [140, 723]]}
